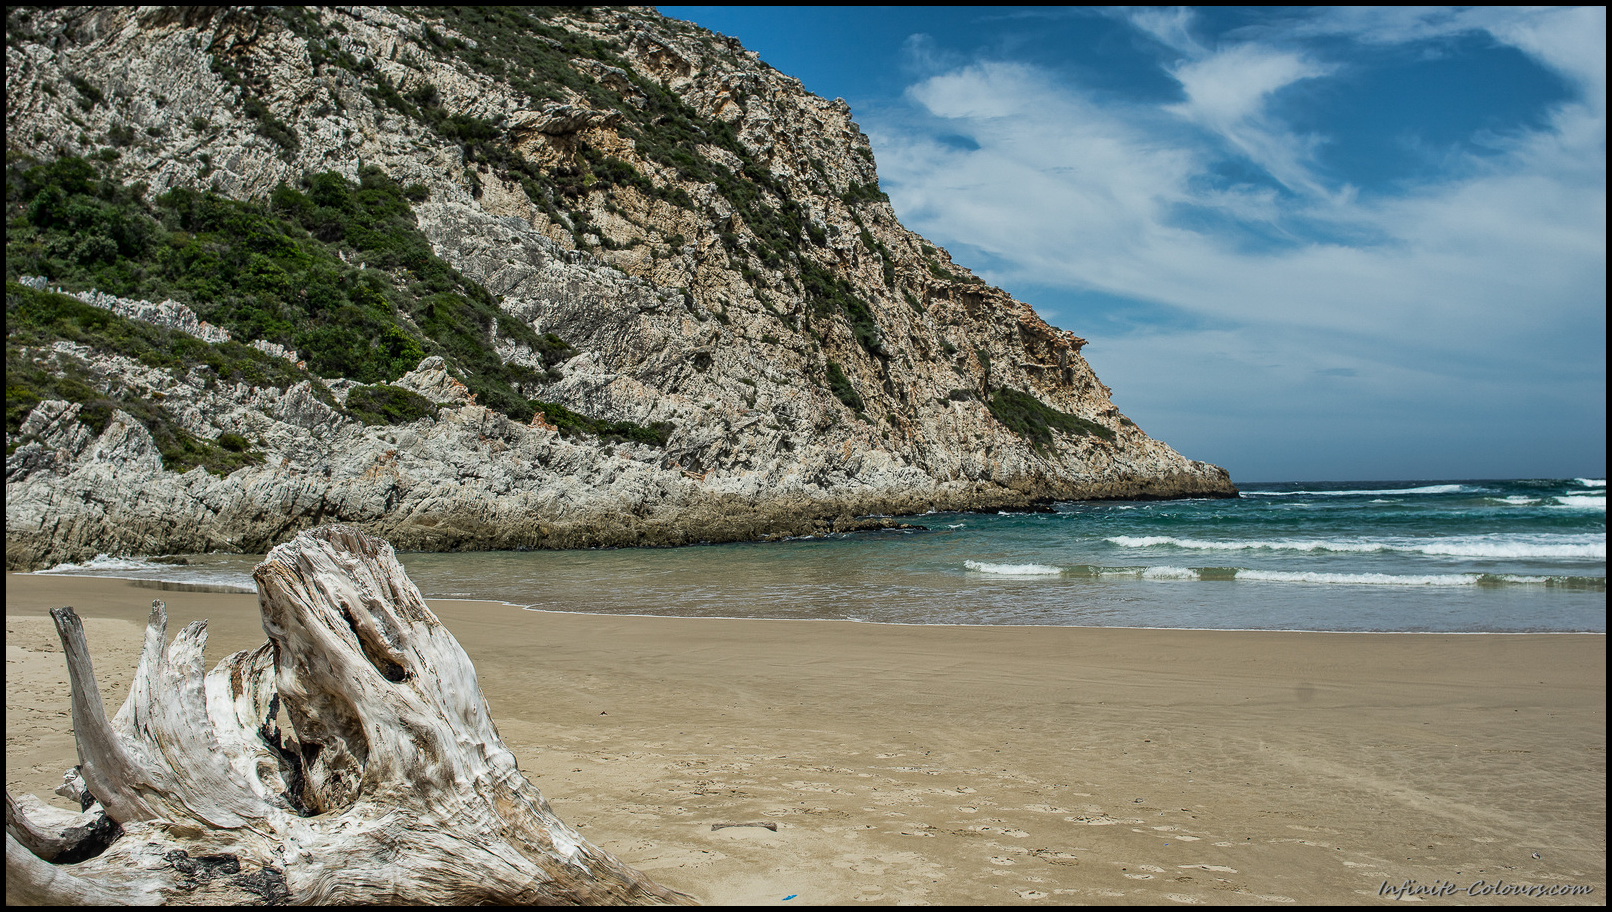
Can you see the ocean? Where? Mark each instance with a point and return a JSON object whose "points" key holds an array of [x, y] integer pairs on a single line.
{"points": [[1516, 555]]}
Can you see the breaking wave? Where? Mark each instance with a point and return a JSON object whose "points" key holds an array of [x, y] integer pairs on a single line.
{"points": [[1425, 489], [105, 563], [1012, 569], [1572, 547], [1250, 575], [1362, 579], [1583, 501]]}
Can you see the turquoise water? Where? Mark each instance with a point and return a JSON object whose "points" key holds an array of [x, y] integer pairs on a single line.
{"points": [[1519, 555]]}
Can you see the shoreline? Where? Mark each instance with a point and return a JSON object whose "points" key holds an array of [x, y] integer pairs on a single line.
{"points": [[952, 763], [226, 589], [160, 585], [703, 518]]}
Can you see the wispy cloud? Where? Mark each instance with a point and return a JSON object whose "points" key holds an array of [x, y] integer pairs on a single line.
{"points": [[1170, 26], [1227, 93], [1493, 268]]}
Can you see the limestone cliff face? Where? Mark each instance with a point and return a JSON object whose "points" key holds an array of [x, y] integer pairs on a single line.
{"points": [[669, 286]]}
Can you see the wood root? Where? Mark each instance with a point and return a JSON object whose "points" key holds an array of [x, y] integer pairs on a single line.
{"points": [[388, 784]]}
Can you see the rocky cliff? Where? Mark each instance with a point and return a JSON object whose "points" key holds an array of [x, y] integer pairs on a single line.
{"points": [[704, 323]]}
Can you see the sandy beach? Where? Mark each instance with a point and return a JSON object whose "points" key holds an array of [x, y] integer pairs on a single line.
{"points": [[984, 764]]}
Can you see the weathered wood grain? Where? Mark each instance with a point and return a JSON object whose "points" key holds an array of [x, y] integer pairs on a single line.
{"points": [[389, 785]]}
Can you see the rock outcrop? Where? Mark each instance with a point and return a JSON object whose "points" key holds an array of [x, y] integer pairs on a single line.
{"points": [[786, 415]]}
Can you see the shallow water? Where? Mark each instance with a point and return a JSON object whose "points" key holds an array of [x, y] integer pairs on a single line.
{"points": [[1520, 555]]}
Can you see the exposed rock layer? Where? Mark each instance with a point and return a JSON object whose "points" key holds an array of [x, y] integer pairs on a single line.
{"points": [[671, 322]]}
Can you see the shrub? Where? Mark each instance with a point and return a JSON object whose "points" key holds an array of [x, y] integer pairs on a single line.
{"points": [[572, 424], [89, 95], [864, 193], [829, 294], [840, 386], [1034, 420], [387, 404], [34, 319], [273, 272]]}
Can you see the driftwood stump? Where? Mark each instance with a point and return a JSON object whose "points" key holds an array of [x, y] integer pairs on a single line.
{"points": [[390, 786]]}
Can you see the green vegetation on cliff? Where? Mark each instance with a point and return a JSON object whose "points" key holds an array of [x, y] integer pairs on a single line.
{"points": [[520, 47], [387, 404], [571, 424], [36, 320], [336, 270], [840, 386], [1035, 421]]}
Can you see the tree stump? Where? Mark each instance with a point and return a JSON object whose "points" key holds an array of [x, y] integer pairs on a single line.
{"points": [[390, 786]]}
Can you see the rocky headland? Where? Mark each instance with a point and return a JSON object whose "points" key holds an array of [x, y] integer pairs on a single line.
{"points": [[657, 296]]}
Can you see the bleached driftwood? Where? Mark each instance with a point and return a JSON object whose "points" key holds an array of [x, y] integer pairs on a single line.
{"points": [[391, 785]]}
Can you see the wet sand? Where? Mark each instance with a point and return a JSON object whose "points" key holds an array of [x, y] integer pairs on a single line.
{"points": [[983, 764]]}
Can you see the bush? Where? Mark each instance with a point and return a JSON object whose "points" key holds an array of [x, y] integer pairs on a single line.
{"points": [[1034, 420], [840, 386], [386, 404], [89, 95], [274, 272], [34, 319], [864, 193], [572, 424], [829, 294]]}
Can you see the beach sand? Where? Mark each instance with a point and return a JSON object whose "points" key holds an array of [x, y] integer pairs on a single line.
{"points": [[983, 764]]}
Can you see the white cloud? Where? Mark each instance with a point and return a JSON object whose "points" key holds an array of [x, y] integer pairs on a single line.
{"points": [[1171, 26], [1569, 40], [1487, 281], [1227, 92], [921, 55]]}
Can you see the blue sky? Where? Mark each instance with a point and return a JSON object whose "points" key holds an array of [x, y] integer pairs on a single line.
{"points": [[1304, 244]]}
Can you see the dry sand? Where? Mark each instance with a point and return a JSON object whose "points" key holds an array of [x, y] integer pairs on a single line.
{"points": [[984, 764]]}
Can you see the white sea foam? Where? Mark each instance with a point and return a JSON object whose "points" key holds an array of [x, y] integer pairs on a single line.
{"points": [[1170, 573], [106, 563], [1580, 547], [1361, 579], [1542, 546], [1012, 569], [1591, 482], [1515, 499], [1194, 544], [1426, 489], [1583, 501]]}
